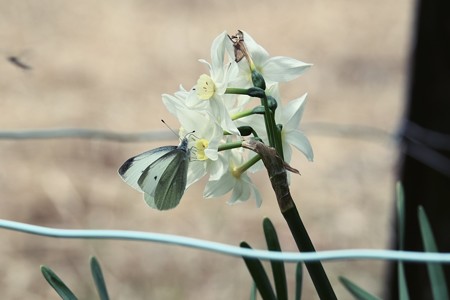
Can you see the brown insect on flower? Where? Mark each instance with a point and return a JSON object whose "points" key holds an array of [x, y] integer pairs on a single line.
{"points": [[240, 50]]}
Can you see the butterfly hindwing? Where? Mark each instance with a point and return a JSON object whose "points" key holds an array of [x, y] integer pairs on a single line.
{"points": [[172, 183]]}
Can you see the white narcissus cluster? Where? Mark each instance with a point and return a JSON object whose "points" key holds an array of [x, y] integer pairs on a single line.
{"points": [[214, 111]]}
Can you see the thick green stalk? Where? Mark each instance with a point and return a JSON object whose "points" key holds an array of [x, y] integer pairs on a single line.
{"points": [[276, 169], [304, 244]]}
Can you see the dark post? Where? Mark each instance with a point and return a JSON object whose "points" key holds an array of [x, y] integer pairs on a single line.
{"points": [[425, 168]]}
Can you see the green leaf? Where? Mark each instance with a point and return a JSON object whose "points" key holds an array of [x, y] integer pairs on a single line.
{"points": [[98, 279], [403, 293], [402, 286], [356, 291], [259, 276], [400, 214], [58, 285], [298, 281], [435, 270], [253, 292], [278, 270]]}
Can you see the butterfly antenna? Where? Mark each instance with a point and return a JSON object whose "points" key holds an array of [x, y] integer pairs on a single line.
{"points": [[173, 131], [193, 134], [189, 133]]}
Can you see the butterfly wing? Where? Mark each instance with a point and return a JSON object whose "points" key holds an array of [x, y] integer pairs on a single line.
{"points": [[132, 170], [172, 184], [160, 173], [164, 181]]}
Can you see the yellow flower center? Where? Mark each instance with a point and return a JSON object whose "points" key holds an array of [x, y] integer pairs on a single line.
{"points": [[205, 87], [201, 145], [236, 172]]}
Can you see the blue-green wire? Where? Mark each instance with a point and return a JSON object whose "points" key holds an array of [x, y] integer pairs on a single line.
{"points": [[350, 254]]}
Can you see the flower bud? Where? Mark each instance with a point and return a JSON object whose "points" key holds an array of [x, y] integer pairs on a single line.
{"points": [[259, 110], [273, 104], [258, 80], [245, 130], [256, 92]]}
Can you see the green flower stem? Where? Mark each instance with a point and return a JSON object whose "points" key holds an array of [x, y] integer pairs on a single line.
{"points": [[267, 120], [244, 167], [269, 116], [257, 110], [242, 114], [228, 146], [252, 92], [236, 91], [272, 129], [278, 142], [270, 112]]}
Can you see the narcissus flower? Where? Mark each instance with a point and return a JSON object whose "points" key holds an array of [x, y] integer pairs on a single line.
{"points": [[233, 180], [210, 89], [289, 116], [205, 112]]}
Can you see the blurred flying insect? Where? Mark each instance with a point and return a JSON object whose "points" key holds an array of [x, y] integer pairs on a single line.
{"points": [[15, 60]]}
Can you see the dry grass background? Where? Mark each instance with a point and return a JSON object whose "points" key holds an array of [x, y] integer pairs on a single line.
{"points": [[105, 64]]}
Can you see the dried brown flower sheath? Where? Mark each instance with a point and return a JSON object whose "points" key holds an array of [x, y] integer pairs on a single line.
{"points": [[276, 168]]}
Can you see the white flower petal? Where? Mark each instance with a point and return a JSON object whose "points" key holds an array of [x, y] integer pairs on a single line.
{"points": [[293, 112], [219, 187], [217, 168], [258, 53], [282, 68], [220, 112], [297, 139], [287, 152], [241, 192], [196, 171], [257, 196], [218, 51], [212, 154], [203, 61]]}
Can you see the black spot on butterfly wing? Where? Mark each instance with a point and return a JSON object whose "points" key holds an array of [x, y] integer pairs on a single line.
{"points": [[140, 161], [125, 166]]}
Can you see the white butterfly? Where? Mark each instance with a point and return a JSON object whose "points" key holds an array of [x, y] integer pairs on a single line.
{"points": [[160, 174]]}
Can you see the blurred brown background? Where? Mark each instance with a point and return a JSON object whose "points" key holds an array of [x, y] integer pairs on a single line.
{"points": [[105, 64]]}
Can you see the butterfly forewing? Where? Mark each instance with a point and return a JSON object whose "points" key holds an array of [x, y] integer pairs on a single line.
{"points": [[172, 183], [133, 168], [152, 174]]}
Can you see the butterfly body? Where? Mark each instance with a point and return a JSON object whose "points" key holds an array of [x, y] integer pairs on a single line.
{"points": [[161, 174]]}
